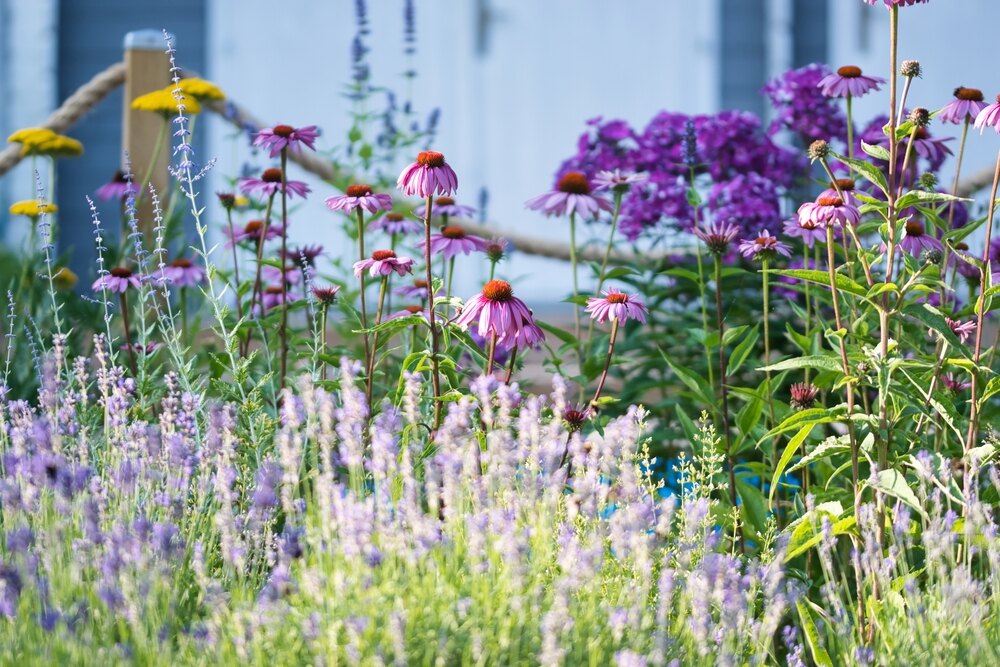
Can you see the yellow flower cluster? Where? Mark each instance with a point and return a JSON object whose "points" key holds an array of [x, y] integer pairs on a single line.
{"points": [[32, 207], [163, 102], [64, 279], [195, 91], [43, 141]]}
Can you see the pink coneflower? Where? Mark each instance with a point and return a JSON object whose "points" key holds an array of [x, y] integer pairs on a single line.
{"points": [[961, 329], [810, 232], [764, 248], [848, 80], [954, 384], [252, 232], [497, 249], [717, 236], [285, 136], [617, 180], [930, 148], [828, 211], [430, 175], [846, 191], [273, 296], [269, 183], [574, 418], [359, 196], [326, 295], [116, 188], [453, 240], [407, 311], [148, 348], [446, 206], [418, 289], [291, 275], [989, 117], [397, 223], [966, 106], [383, 263], [499, 313], [916, 239], [897, 3], [803, 395], [184, 273], [118, 280], [572, 195], [616, 305], [306, 254]]}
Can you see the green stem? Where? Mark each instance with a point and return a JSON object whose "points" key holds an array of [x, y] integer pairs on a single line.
{"points": [[284, 254], [607, 361], [451, 275], [435, 370], [601, 276], [361, 257], [378, 320], [322, 334], [161, 139], [724, 391], [850, 127], [576, 287]]}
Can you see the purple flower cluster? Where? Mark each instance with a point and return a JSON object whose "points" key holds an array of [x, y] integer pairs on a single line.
{"points": [[729, 150], [801, 107]]}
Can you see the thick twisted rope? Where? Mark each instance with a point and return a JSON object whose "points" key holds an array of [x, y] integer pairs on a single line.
{"points": [[87, 96]]}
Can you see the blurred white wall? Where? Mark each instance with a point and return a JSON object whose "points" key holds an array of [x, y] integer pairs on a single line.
{"points": [[514, 96]]}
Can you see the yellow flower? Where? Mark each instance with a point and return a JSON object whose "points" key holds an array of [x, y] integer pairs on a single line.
{"points": [[56, 146], [64, 279], [200, 89], [32, 208], [31, 136], [241, 202], [163, 102]]}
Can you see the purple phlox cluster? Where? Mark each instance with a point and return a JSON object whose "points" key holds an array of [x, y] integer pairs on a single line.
{"points": [[802, 108]]}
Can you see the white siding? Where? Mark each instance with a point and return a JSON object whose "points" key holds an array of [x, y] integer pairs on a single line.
{"points": [[508, 118]]}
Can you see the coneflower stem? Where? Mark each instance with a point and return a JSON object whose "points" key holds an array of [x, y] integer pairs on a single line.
{"points": [[284, 254], [322, 336], [607, 361], [970, 438], [724, 392], [258, 291], [491, 354], [236, 263], [128, 338], [184, 311], [604, 262], [850, 127], [510, 368], [767, 340], [845, 366], [361, 257], [161, 138], [951, 209], [435, 371], [378, 320], [576, 287], [451, 274]]}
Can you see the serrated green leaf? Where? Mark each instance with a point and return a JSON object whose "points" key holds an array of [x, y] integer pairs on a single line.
{"points": [[869, 171], [875, 151]]}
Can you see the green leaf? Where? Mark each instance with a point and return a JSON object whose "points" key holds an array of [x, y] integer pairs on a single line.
{"points": [[933, 318], [844, 284], [876, 151], [821, 362], [742, 351], [679, 272], [914, 197], [749, 415], [829, 447], [561, 334], [753, 504], [991, 390], [694, 382], [816, 649], [790, 450], [803, 417], [690, 430], [869, 171], [893, 483]]}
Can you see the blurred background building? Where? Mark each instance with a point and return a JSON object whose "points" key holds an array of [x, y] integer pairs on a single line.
{"points": [[515, 80]]}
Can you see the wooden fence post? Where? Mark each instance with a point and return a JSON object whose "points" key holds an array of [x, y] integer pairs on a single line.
{"points": [[147, 68]]}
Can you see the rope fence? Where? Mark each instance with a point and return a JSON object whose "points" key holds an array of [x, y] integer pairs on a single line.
{"points": [[87, 96]]}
